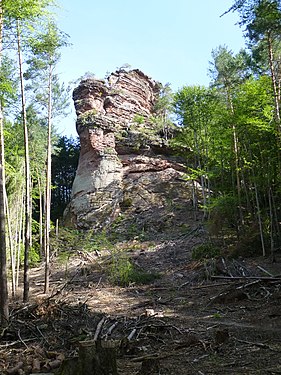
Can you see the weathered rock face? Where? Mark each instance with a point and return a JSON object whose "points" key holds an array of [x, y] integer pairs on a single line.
{"points": [[125, 164]]}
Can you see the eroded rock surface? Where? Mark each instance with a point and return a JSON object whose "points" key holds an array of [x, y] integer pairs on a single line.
{"points": [[126, 164]]}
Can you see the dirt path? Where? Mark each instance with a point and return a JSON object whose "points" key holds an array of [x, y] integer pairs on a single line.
{"points": [[181, 323]]}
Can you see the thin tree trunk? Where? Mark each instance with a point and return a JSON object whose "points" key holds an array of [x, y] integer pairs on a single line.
{"points": [[271, 217], [259, 219], [40, 218], [4, 307], [11, 244], [277, 222], [57, 228], [19, 237], [27, 178], [48, 187], [274, 83], [278, 81], [202, 179], [236, 157], [194, 200]]}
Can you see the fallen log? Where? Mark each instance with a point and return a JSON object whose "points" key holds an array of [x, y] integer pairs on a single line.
{"points": [[262, 278]]}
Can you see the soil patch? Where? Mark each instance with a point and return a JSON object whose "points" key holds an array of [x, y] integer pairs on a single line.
{"points": [[199, 317]]}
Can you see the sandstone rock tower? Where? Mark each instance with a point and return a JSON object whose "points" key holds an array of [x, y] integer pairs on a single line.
{"points": [[125, 163]]}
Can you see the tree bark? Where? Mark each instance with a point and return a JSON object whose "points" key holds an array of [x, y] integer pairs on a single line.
{"points": [[11, 243], [4, 308], [259, 219], [98, 357], [20, 234], [40, 219], [27, 177], [48, 187], [95, 358], [274, 84]]}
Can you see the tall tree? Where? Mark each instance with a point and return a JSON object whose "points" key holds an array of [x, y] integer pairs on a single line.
{"points": [[163, 109], [228, 71], [64, 165], [194, 106], [27, 241], [4, 309], [7, 91], [17, 14], [45, 49], [262, 22], [255, 123]]}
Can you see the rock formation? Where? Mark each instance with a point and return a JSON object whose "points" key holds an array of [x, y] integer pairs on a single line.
{"points": [[126, 165]]}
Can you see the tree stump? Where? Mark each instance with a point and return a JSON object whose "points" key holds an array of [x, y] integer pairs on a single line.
{"points": [[97, 357]]}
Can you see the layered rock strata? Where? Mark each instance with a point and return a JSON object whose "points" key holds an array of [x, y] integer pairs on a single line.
{"points": [[126, 164]]}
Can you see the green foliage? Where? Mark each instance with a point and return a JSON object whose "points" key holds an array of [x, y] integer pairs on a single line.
{"points": [[64, 165], [139, 119], [260, 17], [223, 213], [37, 133], [164, 102], [228, 70], [232, 143], [88, 117], [8, 83], [119, 267], [14, 163], [25, 9], [123, 272], [205, 251], [124, 228], [63, 257], [44, 45], [70, 240], [34, 255], [95, 241], [249, 243], [217, 315]]}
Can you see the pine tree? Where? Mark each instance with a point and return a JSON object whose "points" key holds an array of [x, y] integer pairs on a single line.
{"points": [[262, 22]]}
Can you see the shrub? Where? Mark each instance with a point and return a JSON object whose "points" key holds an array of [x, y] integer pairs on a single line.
{"points": [[205, 251], [138, 119], [223, 213], [123, 272]]}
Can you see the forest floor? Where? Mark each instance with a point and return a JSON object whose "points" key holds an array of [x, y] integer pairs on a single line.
{"points": [[217, 316]]}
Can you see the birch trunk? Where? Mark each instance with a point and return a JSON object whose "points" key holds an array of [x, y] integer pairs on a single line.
{"points": [[274, 83], [271, 217], [27, 176], [259, 219], [48, 187], [4, 308], [236, 157], [19, 236], [11, 243]]}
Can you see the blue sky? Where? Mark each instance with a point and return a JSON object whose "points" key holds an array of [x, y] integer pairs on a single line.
{"points": [[171, 41]]}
